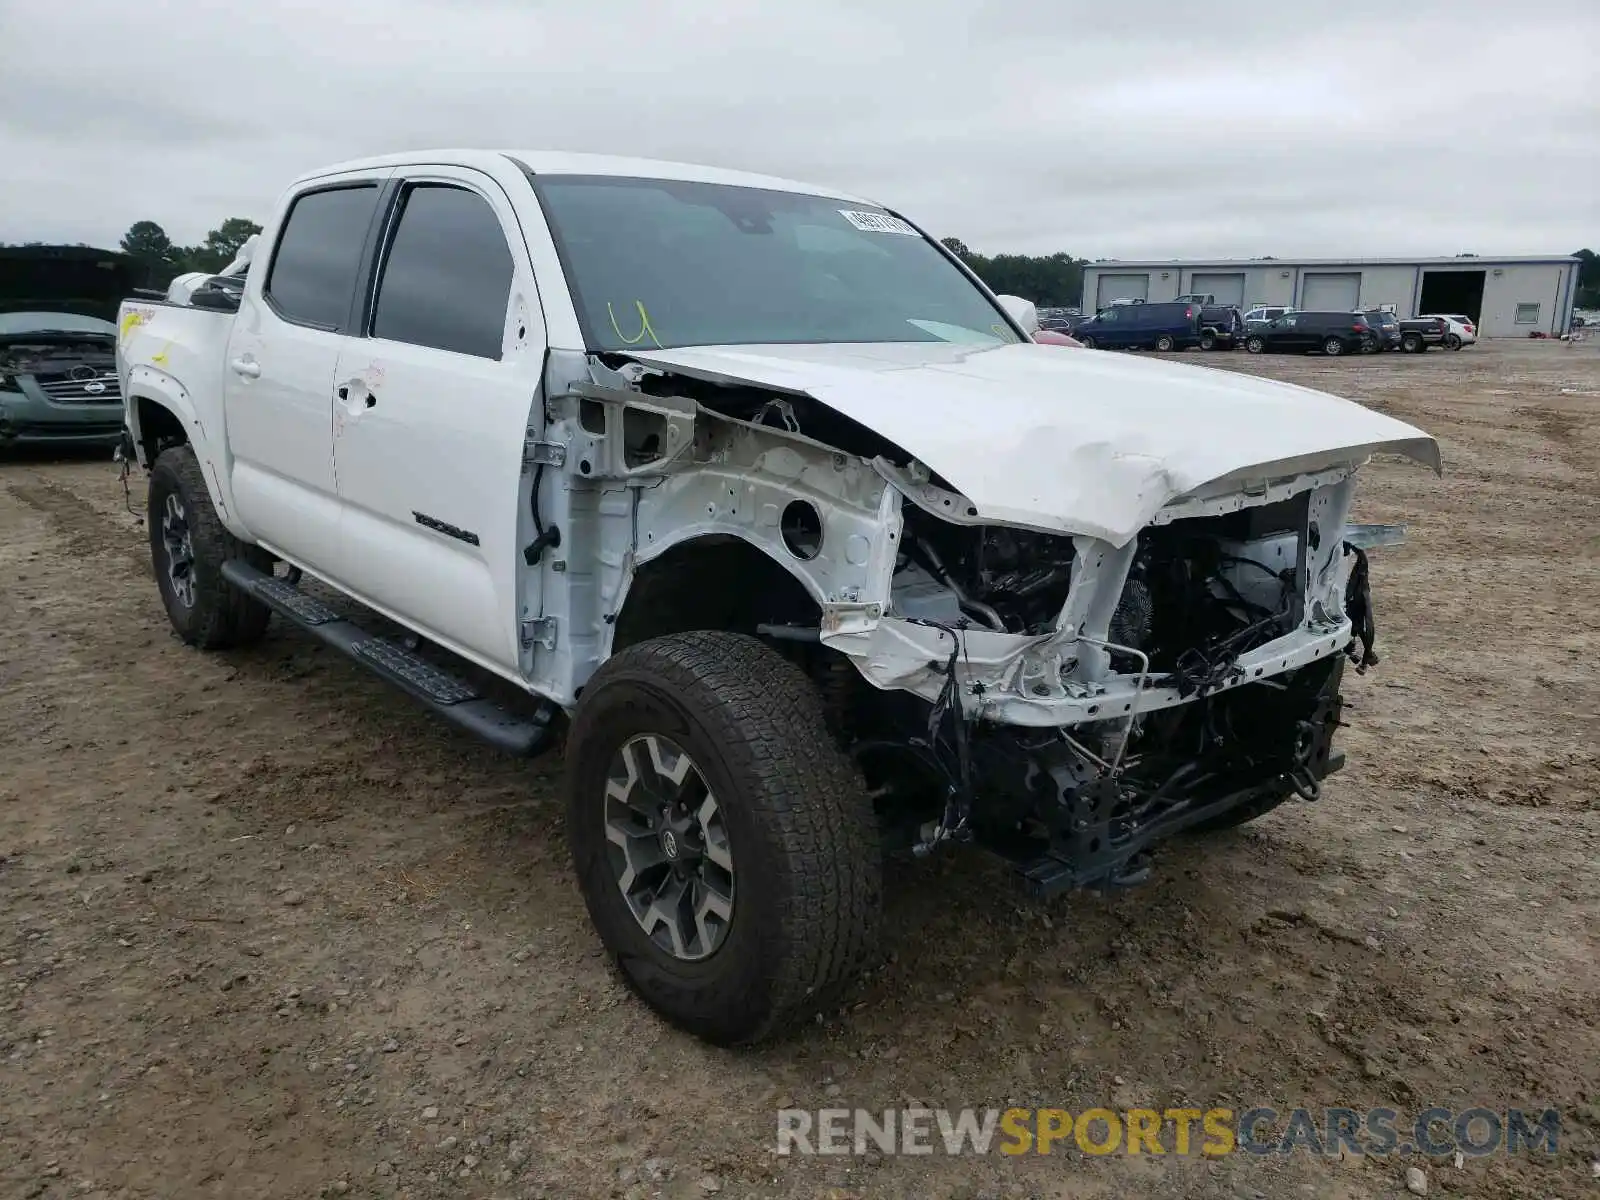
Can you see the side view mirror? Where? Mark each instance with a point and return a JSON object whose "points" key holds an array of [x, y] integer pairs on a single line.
{"points": [[1024, 312]]}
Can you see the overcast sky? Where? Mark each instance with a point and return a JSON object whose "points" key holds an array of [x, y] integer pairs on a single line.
{"points": [[1370, 128]]}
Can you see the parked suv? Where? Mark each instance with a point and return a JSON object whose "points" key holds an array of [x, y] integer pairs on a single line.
{"points": [[1385, 328], [1142, 327], [1263, 315], [1333, 333]]}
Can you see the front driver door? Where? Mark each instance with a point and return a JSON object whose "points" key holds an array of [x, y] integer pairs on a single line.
{"points": [[430, 415], [1108, 329]]}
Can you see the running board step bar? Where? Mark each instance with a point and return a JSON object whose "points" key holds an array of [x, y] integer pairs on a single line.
{"points": [[451, 698]]}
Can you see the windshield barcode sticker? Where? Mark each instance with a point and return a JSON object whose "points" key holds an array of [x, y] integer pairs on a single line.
{"points": [[872, 222]]}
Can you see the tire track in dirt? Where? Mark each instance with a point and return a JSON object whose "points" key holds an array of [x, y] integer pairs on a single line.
{"points": [[84, 530]]}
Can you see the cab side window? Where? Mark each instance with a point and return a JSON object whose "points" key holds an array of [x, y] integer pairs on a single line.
{"points": [[446, 279], [313, 274]]}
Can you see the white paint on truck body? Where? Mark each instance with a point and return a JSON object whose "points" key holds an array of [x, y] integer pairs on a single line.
{"points": [[1093, 446]]}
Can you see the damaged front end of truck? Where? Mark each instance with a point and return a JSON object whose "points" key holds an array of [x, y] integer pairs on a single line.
{"points": [[1055, 642]]}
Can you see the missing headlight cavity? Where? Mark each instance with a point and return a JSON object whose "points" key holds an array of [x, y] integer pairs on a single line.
{"points": [[802, 529]]}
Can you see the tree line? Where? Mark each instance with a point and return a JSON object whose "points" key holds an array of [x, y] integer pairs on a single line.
{"points": [[162, 259], [1050, 281]]}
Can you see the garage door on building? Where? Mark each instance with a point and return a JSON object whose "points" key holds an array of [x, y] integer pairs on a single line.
{"points": [[1226, 286], [1331, 291], [1121, 287]]}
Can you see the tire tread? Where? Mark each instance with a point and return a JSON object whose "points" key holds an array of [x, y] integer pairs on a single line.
{"points": [[225, 616]]}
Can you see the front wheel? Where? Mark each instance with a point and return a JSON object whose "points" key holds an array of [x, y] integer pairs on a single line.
{"points": [[1255, 345], [726, 849], [188, 545], [1086, 341], [1165, 342]]}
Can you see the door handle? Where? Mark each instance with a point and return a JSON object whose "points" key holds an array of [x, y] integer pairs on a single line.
{"points": [[248, 367], [368, 400]]}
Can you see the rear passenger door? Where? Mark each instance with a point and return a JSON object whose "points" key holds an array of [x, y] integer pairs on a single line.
{"points": [[431, 408], [277, 391]]}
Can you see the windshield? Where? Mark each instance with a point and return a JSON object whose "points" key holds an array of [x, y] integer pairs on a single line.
{"points": [[52, 322], [656, 263]]}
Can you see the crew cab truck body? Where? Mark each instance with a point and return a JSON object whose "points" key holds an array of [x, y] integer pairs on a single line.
{"points": [[779, 517]]}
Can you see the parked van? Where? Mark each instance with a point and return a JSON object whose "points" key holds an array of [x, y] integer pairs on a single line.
{"points": [[1142, 327]]}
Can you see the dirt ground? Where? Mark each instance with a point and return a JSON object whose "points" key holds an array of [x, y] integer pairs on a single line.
{"points": [[268, 930]]}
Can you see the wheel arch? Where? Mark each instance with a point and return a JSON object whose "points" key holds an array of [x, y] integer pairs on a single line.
{"points": [[160, 413], [711, 581]]}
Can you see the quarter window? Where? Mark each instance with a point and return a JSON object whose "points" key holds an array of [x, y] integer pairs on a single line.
{"points": [[1527, 314], [447, 277], [313, 274]]}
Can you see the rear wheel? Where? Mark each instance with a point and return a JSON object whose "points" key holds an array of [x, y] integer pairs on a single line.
{"points": [[1333, 347], [1452, 341], [188, 545], [1165, 342], [1255, 345], [1208, 341], [1412, 343], [726, 850]]}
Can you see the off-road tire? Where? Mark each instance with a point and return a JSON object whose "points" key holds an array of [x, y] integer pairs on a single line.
{"points": [[1256, 345], [800, 825], [1412, 343], [1165, 343], [220, 617]]}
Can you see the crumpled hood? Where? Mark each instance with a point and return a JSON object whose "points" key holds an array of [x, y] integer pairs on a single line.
{"points": [[1075, 441]]}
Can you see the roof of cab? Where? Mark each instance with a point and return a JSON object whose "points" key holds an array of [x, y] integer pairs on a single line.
{"points": [[559, 162]]}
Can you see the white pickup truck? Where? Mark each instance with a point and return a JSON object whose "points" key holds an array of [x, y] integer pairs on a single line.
{"points": [[757, 497]]}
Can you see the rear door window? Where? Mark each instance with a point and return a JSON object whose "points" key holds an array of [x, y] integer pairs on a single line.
{"points": [[446, 279], [313, 275]]}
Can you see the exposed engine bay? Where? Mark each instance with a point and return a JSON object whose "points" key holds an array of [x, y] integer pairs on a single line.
{"points": [[46, 355], [1078, 805]]}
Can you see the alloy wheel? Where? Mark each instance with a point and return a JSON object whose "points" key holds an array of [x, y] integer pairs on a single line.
{"points": [[668, 848], [179, 544]]}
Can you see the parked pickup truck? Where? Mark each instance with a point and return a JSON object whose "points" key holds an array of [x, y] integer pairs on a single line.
{"points": [[1419, 333], [756, 496]]}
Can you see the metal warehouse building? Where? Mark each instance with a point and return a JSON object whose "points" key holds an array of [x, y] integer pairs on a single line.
{"points": [[1507, 297]]}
